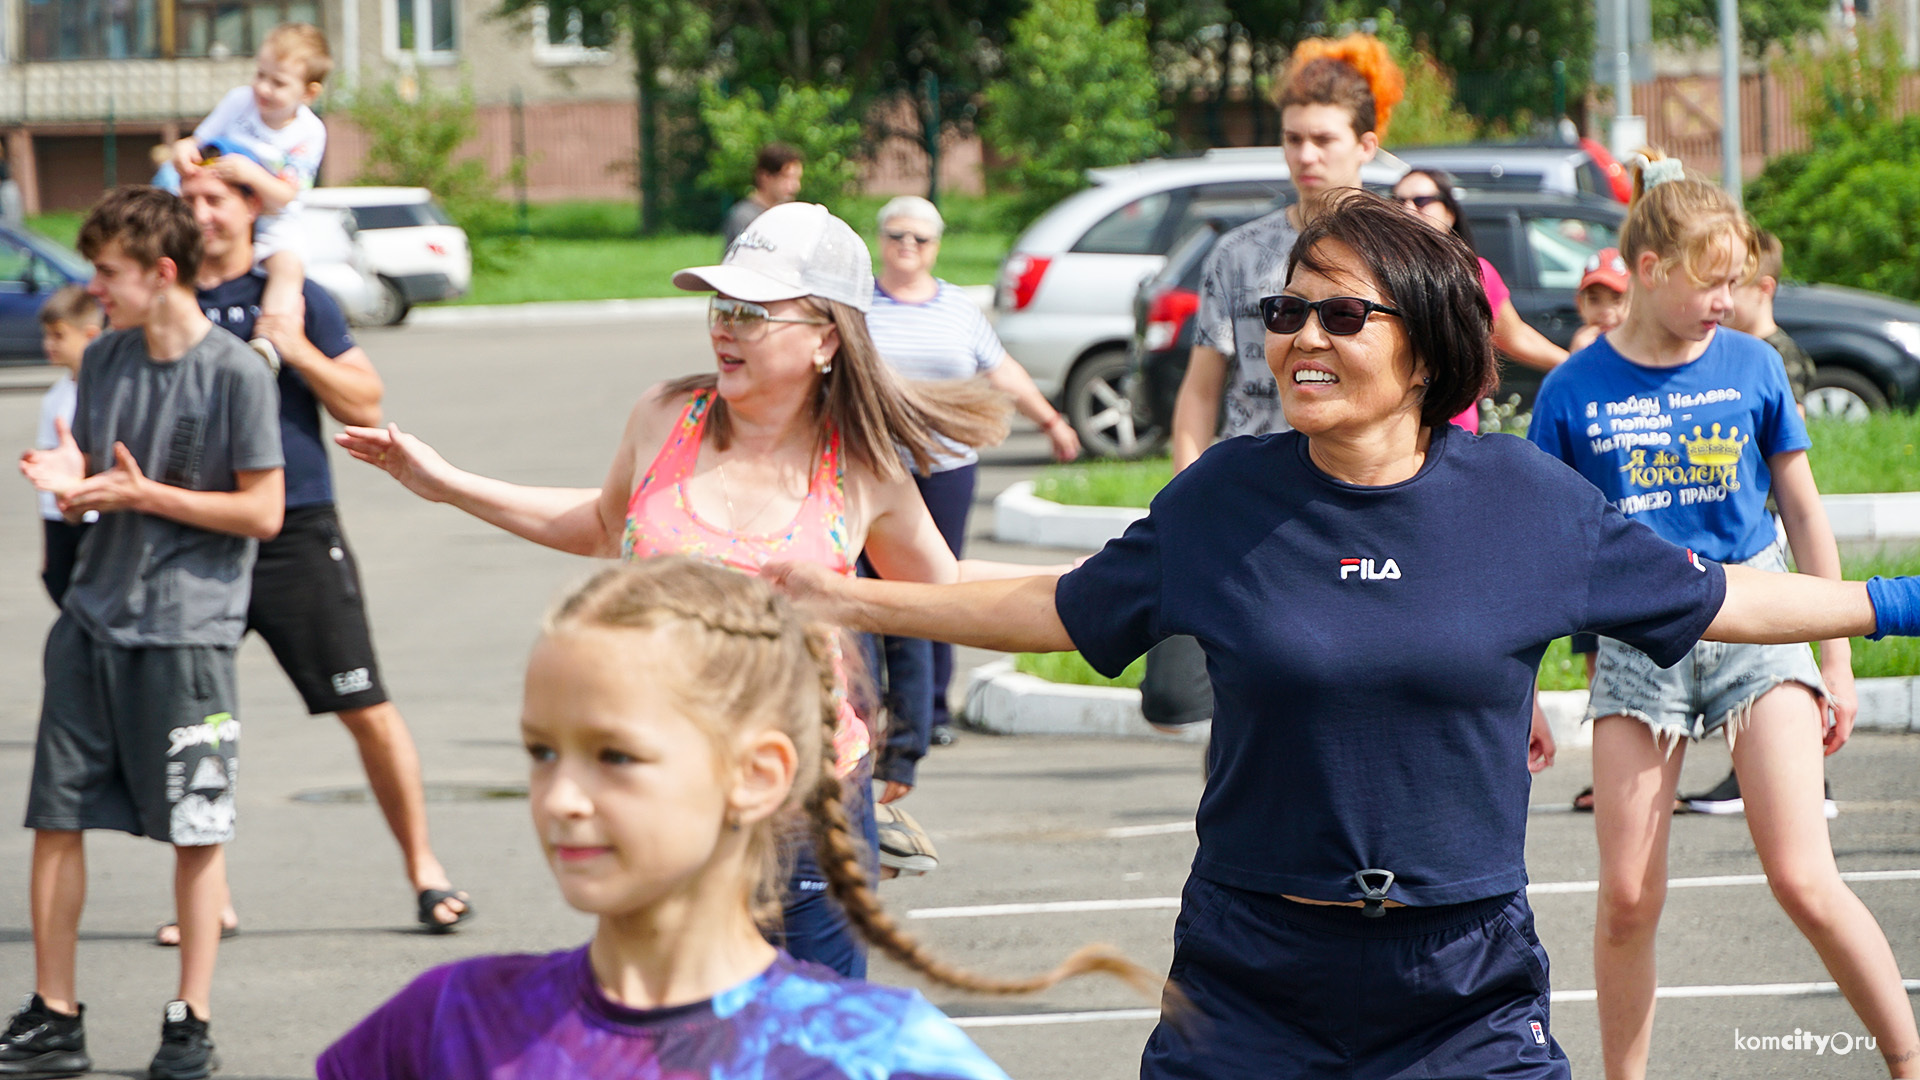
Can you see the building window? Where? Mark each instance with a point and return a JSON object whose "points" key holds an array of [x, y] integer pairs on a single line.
{"points": [[563, 34], [92, 29], [224, 28], [422, 29]]}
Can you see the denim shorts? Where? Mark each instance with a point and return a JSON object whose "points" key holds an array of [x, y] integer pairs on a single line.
{"points": [[1711, 688]]}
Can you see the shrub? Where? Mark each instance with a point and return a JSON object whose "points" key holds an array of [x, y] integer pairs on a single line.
{"points": [[1075, 95], [415, 141], [1848, 211], [812, 120]]}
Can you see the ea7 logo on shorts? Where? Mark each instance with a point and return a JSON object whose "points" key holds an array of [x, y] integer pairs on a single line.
{"points": [[352, 682], [1386, 571]]}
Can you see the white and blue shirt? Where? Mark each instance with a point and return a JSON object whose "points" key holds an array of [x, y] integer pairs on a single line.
{"points": [[945, 337]]}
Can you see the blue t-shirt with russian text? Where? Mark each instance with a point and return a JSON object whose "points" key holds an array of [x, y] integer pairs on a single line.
{"points": [[1373, 649], [1683, 449], [233, 306]]}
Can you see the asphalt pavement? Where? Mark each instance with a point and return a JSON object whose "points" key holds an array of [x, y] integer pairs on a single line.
{"points": [[1045, 843]]}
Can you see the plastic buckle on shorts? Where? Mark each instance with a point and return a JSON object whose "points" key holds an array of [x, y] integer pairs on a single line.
{"points": [[1374, 897]]}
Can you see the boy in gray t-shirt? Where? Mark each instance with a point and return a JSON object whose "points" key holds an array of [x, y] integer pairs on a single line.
{"points": [[176, 444]]}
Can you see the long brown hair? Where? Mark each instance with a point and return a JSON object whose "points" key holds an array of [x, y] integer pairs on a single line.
{"points": [[749, 659], [877, 413]]}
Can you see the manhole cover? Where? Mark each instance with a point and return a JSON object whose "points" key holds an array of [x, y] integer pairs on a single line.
{"points": [[434, 793]]}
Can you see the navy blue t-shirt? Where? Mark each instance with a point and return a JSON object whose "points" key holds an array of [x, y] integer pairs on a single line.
{"points": [[233, 306], [1373, 649]]}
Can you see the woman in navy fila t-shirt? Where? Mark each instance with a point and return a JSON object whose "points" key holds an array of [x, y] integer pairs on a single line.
{"points": [[1373, 591]]}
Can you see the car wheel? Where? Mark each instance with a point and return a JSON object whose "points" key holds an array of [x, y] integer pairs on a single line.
{"points": [[1837, 393], [390, 305], [1101, 408]]}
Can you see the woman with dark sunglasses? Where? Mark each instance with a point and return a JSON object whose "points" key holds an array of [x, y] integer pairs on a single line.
{"points": [[792, 449], [1357, 906], [1429, 195]]}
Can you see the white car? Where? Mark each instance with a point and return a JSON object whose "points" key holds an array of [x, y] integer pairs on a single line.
{"points": [[415, 250], [1064, 301], [336, 263]]}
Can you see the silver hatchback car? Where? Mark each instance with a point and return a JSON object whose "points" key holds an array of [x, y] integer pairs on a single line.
{"points": [[1065, 294]]}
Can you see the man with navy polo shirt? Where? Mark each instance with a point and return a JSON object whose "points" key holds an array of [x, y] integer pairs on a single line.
{"points": [[306, 590]]}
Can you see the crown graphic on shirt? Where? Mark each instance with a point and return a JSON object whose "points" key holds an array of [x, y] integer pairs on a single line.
{"points": [[1715, 449]]}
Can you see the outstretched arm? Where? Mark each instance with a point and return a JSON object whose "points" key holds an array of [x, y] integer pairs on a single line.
{"points": [[567, 519], [1778, 609], [1010, 615]]}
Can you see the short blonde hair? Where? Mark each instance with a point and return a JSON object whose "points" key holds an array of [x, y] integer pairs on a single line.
{"points": [[304, 44], [1683, 220]]}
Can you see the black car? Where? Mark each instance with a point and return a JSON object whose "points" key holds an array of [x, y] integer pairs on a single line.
{"points": [[1865, 347], [32, 268]]}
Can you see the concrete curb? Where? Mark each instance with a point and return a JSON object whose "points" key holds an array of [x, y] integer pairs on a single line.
{"points": [[1003, 701], [1022, 517], [575, 312]]}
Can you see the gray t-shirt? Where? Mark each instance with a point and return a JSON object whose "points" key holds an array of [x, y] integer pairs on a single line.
{"points": [[142, 580], [1248, 263], [738, 218]]}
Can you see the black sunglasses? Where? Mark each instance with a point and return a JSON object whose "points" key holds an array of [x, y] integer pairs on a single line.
{"points": [[1339, 315], [903, 237], [1418, 202]]}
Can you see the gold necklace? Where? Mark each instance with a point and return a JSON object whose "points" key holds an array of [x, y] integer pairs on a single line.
{"points": [[734, 522]]}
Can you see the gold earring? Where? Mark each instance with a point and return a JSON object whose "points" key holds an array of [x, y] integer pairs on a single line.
{"points": [[822, 363]]}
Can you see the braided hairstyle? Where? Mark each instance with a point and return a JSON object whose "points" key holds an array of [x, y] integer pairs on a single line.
{"points": [[749, 658]]}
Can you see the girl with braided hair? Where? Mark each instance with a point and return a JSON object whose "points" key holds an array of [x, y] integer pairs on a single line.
{"points": [[680, 720]]}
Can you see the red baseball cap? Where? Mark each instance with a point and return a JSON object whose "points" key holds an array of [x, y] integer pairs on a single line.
{"points": [[1606, 268]]}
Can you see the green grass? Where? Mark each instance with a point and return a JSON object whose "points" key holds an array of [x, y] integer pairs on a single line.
{"points": [[1104, 483], [61, 225], [1071, 667], [1882, 454]]}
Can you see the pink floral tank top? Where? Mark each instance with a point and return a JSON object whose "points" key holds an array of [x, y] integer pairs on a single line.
{"points": [[661, 521]]}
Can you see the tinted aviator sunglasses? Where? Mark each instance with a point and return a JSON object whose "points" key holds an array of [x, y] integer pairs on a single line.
{"points": [[1418, 202], [744, 320], [903, 237], [1339, 315]]}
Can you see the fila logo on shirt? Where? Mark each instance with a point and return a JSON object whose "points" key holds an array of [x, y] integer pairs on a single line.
{"points": [[1369, 571], [1695, 560]]}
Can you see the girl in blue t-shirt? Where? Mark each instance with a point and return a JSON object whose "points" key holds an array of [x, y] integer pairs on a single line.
{"points": [[1686, 425], [680, 715]]}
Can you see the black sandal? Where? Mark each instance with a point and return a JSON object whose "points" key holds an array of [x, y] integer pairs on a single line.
{"points": [[225, 933], [433, 898], [1583, 802]]}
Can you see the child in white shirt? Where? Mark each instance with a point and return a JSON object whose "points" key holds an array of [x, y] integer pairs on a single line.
{"points": [[269, 122], [69, 321]]}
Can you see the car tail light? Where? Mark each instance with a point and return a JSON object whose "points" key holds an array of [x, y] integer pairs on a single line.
{"points": [[1167, 314], [1022, 276]]}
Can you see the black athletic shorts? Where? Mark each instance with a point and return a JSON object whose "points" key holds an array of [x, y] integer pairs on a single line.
{"points": [[307, 605], [143, 740]]}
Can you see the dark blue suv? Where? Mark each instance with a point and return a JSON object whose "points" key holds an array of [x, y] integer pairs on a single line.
{"points": [[32, 268]]}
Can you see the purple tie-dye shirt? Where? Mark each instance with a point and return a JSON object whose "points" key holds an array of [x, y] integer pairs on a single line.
{"points": [[544, 1016]]}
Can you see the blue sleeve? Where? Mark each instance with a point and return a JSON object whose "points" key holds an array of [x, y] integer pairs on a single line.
{"points": [[1782, 430], [931, 1047], [1110, 605], [1652, 594], [1548, 429], [326, 324]]}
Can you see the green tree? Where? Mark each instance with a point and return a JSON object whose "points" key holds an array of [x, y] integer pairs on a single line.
{"points": [[1077, 94], [415, 140], [814, 121], [1848, 211], [1763, 23], [1502, 52]]}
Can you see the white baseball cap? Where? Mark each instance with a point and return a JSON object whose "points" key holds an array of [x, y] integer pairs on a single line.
{"points": [[795, 249]]}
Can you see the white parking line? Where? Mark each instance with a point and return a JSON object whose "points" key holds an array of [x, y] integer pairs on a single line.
{"points": [[1163, 829], [1560, 997], [1538, 888]]}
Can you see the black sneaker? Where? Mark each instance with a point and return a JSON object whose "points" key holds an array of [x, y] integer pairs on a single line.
{"points": [[1725, 799], [904, 845], [43, 1043], [186, 1051]]}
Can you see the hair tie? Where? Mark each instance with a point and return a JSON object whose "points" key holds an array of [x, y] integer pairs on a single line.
{"points": [[1655, 173]]}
